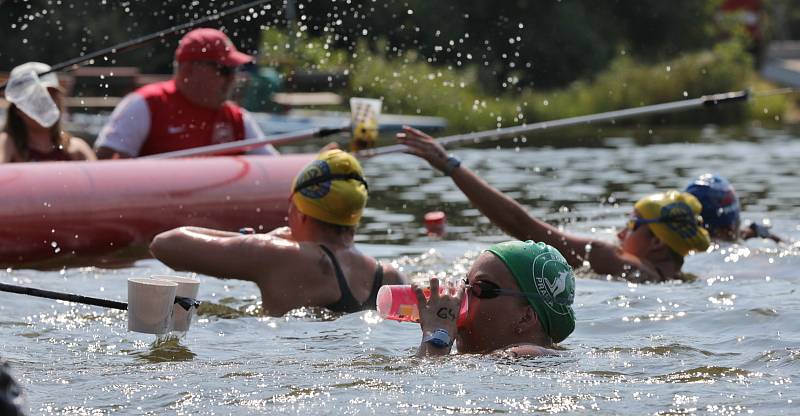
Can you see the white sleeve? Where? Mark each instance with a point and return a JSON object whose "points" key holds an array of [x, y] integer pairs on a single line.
{"points": [[128, 127], [253, 131]]}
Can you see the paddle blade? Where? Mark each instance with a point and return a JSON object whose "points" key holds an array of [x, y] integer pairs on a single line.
{"points": [[364, 113]]}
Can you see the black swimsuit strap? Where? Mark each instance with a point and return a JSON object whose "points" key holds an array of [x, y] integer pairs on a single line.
{"points": [[346, 303]]}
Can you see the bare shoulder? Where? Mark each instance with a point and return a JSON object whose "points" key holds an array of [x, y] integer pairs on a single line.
{"points": [[529, 350], [80, 150]]}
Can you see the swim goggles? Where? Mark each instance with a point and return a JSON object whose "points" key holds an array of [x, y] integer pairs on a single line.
{"points": [[484, 289], [316, 180]]}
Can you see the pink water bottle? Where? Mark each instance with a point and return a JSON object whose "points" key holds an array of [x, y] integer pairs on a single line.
{"points": [[399, 303]]}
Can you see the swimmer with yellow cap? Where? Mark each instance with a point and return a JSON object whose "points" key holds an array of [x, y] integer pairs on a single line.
{"points": [[312, 262], [663, 229], [520, 296]]}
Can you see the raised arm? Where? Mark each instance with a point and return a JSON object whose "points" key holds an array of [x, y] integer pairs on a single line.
{"points": [[503, 211]]}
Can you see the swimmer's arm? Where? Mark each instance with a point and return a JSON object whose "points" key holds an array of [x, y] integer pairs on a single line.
{"points": [[527, 350], [222, 254], [502, 210], [282, 232], [758, 230]]}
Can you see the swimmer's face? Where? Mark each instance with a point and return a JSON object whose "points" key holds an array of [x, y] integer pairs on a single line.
{"points": [[492, 322]]}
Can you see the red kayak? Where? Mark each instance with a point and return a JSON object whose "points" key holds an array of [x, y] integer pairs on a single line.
{"points": [[59, 213]]}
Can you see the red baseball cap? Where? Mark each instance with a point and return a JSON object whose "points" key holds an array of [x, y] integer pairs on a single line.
{"points": [[207, 44]]}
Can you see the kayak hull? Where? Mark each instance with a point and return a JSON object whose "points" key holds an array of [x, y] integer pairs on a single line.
{"points": [[57, 213]]}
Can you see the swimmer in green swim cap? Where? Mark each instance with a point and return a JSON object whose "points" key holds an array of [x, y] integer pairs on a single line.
{"points": [[520, 302], [663, 228]]}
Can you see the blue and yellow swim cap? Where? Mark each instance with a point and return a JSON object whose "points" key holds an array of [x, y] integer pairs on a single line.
{"points": [[331, 189], [678, 223], [546, 278], [720, 203]]}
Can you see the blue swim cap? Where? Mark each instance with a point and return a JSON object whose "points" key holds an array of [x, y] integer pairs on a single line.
{"points": [[720, 203]]}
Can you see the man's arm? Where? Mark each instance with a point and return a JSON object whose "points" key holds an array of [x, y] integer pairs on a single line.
{"points": [[126, 131]]}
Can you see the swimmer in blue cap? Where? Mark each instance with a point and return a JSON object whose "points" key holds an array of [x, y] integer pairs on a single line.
{"points": [[662, 230], [721, 210]]}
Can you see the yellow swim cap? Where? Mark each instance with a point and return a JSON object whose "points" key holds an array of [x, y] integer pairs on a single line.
{"points": [[678, 220], [331, 189]]}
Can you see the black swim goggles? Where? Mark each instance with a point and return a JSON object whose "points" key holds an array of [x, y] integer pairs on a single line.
{"points": [[316, 180], [484, 289]]}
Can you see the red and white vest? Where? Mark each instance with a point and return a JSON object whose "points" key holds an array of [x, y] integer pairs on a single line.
{"points": [[177, 124]]}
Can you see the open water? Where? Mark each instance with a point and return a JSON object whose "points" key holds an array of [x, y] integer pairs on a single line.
{"points": [[725, 344]]}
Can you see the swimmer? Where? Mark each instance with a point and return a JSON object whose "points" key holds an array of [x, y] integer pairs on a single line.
{"points": [[520, 298], [721, 210], [663, 228], [312, 262]]}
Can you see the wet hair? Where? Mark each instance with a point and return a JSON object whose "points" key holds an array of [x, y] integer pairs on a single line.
{"points": [[16, 129]]}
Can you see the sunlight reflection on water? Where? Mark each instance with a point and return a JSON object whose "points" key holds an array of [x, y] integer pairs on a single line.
{"points": [[724, 344]]}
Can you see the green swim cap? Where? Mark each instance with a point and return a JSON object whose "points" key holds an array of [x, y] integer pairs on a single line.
{"points": [[546, 277]]}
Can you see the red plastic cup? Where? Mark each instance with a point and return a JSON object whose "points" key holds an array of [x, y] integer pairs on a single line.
{"points": [[436, 223], [399, 303]]}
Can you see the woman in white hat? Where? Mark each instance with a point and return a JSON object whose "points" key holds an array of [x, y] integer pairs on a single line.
{"points": [[32, 130]]}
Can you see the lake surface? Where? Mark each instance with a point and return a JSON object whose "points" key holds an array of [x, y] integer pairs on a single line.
{"points": [[724, 344]]}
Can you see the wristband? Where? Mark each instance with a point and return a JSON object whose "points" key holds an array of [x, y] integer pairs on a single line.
{"points": [[451, 165], [439, 338]]}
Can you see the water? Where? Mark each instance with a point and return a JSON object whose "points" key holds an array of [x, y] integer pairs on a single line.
{"points": [[724, 344]]}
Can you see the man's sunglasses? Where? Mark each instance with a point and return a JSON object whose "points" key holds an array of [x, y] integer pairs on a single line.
{"points": [[222, 70], [484, 289]]}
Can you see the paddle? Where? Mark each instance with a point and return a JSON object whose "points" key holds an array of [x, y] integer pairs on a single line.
{"points": [[75, 63], [184, 302], [704, 101], [245, 145]]}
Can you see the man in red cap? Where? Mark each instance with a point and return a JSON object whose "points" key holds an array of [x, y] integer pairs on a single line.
{"points": [[190, 110]]}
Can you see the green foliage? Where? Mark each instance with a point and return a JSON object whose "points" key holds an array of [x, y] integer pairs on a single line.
{"points": [[409, 85]]}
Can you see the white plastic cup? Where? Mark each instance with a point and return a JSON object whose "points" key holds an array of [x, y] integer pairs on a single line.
{"points": [[26, 91], [150, 304], [364, 114], [188, 288]]}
